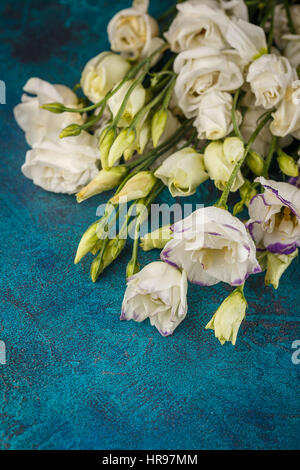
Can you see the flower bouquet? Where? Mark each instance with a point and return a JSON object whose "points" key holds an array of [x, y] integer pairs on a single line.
{"points": [[208, 91]]}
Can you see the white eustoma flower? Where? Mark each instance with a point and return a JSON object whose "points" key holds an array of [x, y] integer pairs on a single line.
{"points": [[286, 119], [228, 317], [212, 245], [62, 165], [182, 172], [157, 292], [281, 27], [274, 217], [201, 70], [135, 102], [269, 76], [219, 166], [101, 74], [37, 122], [195, 25], [131, 30], [214, 120], [292, 49], [246, 38], [262, 142]]}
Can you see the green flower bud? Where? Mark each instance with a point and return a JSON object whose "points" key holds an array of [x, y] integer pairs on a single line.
{"points": [[227, 319], [255, 162], [159, 122], [276, 266], [87, 242], [70, 131], [96, 247], [247, 192], [104, 181], [111, 252], [137, 187], [156, 239], [105, 142], [132, 268], [287, 164], [54, 107], [124, 140]]}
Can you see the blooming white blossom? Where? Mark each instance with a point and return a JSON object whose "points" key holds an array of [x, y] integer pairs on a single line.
{"points": [[101, 74], [62, 165], [135, 102], [274, 217], [201, 70], [269, 76], [228, 317], [246, 38], [286, 119], [195, 26], [157, 292], [214, 120], [219, 166], [182, 172], [212, 245], [131, 30], [37, 122]]}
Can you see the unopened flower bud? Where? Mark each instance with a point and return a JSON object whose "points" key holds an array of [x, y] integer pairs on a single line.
{"points": [[156, 239], [104, 181], [227, 319], [287, 164], [255, 162], [183, 172], [134, 103], [102, 73], [132, 268], [124, 140], [219, 168], [233, 148], [137, 187], [70, 131], [111, 252], [54, 107], [276, 266], [87, 242], [159, 122], [105, 142]]}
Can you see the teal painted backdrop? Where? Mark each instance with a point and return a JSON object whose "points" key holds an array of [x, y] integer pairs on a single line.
{"points": [[78, 378]]}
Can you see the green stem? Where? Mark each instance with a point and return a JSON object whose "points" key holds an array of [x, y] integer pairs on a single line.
{"points": [[162, 148], [270, 156], [151, 104], [223, 199], [169, 92], [233, 115]]}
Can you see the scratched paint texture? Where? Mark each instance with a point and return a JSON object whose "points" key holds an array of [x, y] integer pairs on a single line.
{"points": [[78, 378]]}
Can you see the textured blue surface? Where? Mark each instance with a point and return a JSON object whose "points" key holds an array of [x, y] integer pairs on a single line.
{"points": [[77, 377]]}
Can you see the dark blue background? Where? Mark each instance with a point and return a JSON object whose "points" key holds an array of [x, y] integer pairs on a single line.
{"points": [[77, 377]]}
